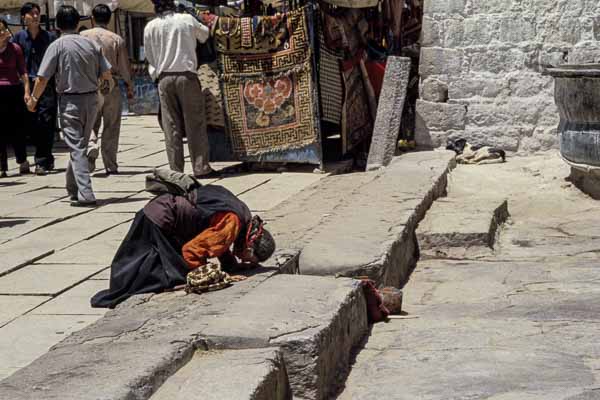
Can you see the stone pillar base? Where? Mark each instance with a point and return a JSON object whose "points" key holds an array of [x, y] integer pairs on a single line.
{"points": [[587, 182]]}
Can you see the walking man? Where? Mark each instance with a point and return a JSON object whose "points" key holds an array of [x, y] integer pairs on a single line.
{"points": [[77, 64], [109, 105], [40, 124], [170, 46]]}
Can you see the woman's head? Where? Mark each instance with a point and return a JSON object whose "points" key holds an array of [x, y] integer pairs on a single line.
{"points": [[259, 241], [5, 33], [264, 246]]}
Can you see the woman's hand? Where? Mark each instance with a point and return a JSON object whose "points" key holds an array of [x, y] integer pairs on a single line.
{"points": [[31, 104]]}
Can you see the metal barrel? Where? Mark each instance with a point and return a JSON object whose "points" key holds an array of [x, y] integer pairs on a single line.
{"points": [[577, 96]]}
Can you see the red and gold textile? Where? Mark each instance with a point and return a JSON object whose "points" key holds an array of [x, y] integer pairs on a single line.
{"points": [[269, 97]]}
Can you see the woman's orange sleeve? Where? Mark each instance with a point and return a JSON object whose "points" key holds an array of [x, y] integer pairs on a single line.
{"points": [[213, 241]]}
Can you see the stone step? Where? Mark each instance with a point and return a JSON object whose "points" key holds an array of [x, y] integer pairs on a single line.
{"points": [[370, 231], [256, 374], [461, 223], [466, 223], [134, 349]]}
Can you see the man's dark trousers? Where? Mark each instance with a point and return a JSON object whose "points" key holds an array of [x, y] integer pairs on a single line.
{"points": [[41, 125]]}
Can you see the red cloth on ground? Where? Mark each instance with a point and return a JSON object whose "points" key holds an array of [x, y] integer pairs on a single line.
{"points": [[376, 311]]}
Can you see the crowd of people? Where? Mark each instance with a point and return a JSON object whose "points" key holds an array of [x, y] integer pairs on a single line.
{"points": [[70, 82]]}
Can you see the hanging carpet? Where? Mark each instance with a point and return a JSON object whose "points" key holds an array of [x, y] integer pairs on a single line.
{"points": [[213, 104], [357, 117], [330, 82], [269, 97], [359, 106]]}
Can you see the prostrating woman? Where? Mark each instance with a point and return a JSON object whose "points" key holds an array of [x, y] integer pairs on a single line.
{"points": [[175, 234]]}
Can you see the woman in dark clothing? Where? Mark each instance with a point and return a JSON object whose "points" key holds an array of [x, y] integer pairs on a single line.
{"points": [[12, 97], [175, 234]]}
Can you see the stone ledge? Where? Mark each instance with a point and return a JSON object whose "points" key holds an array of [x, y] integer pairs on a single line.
{"points": [[372, 232], [460, 224], [257, 374], [134, 349]]}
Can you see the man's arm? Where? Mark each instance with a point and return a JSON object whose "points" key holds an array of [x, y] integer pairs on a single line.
{"points": [[214, 241], [22, 69], [38, 89], [150, 56], [25, 80], [123, 67], [200, 30]]}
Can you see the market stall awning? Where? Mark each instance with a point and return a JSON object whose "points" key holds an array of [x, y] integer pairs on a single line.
{"points": [[84, 6]]}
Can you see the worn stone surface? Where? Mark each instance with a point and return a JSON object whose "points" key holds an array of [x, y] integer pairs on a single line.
{"points": [[389, 112], [305, 316], [468, 218], [456, 223], [46, 279], [587, 182], [75, 301], [26, 338], [375, 236], [12, 307], [520, 323], [291, 224], [257, 374], [132, 350], [489, 54]]}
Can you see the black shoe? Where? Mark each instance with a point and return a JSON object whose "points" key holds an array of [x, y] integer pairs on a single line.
{"points": [[86, 203], [24, 168], [115, 172], [3, 174], [41, 171], [210, 175]]}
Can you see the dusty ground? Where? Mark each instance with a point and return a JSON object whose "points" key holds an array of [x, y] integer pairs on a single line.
{"points": [[516, 323]]}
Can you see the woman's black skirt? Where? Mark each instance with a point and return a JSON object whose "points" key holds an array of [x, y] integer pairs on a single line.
{"points": [[146, 262]]}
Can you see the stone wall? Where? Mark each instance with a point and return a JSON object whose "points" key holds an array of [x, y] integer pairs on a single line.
{"points": [[480, 68]]}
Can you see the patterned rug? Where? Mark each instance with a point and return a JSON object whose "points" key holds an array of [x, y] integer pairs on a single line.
{"points": [[357, 110], [330, 82], [213, 103], [269, 98]]}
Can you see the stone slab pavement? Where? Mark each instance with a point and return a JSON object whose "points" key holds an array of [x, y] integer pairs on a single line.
{"points": [[54, 257], [519, 322]]}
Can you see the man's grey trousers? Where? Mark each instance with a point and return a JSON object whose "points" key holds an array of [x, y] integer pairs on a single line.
{"points": [[77, 115], [182, 107]]}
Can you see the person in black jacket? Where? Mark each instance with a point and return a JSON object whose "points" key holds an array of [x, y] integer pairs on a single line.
{"points": [[174, 234]]}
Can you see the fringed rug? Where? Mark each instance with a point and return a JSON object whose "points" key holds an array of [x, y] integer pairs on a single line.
{"points": [[269, 98]]}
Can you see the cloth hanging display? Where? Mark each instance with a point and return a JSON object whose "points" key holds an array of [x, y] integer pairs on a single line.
{"points": [[353, 3], [330, 83], [357, 110], [213, 102], [251, 35], [269, 98], [346, 31]]}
